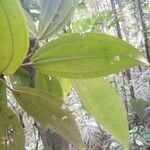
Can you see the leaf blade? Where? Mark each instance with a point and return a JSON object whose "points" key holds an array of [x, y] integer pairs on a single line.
{"points": [[12, 24], [58, 87], [101, 100], [31, 24], [54, 116], [60, 10], [11, 131], [86, 56], [48, 11]]}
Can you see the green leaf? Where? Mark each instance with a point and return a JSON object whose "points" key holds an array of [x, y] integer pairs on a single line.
{"points": [[49, 84], [65, 85], [101, 100], [31, 24], [54, 14], [48, 11], [86, 56], [20, 78], [14, 36], [139, 107], [49, 111], [56, 86], [11, 131]]}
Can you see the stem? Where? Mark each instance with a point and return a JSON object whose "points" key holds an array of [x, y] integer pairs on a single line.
{"points": [[6, 85], [34, 47], [27, 64], [28, 56]]}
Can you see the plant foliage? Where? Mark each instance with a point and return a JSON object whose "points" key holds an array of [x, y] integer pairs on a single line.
{"points": [[42, 92]]}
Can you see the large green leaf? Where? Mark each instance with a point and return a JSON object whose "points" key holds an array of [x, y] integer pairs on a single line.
{"points": [[13, 38], [101, 100], [86, 56], [49, 111], [11, 131], [54, 14], [56, 86]]}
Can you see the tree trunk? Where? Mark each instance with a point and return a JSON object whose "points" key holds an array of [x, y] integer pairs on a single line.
{"points": [[118, 28], [125, 74], [51, 140], [144, 28]]}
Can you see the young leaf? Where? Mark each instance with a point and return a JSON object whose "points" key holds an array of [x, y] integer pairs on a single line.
{"points": [[11, 131], [54, 14], [102, 101], [55, 86], [49, 111], [86, 56], [14, 36]]}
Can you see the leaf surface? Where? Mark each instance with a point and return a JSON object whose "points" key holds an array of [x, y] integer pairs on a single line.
{"points": [[49, 111], [101, 100], [86, 56], [20, 78], [48, 11], [31, 24], [54, 14], [58, 87], [14, 36]]}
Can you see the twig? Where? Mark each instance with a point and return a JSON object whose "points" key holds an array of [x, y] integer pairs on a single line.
{"points": [[27, 64], [29, 55]]}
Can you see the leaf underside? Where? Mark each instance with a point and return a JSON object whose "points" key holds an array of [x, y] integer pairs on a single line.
{"points": [[54, 15], [102, 101], [49, 111], [58, 87]]}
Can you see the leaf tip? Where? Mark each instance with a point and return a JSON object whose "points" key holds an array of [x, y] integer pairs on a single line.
{"points": [[143, 60]]}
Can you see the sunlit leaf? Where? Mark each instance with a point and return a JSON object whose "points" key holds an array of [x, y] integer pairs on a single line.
{"points": [[86, 56], [50, 112], [102, 101], [11, 131], [13, 36]]}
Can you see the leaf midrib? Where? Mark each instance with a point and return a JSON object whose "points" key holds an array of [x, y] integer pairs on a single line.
{"points": [[38, 95], [64, 59]]}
